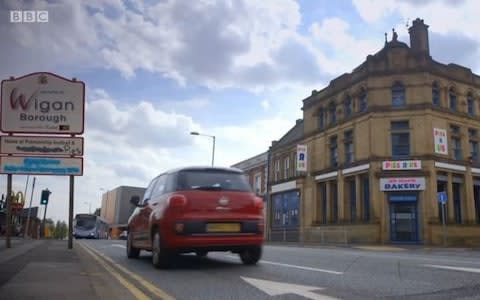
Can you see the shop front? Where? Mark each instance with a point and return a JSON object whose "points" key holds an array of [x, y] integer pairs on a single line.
{"points": [[403, 202], [285, 215]]}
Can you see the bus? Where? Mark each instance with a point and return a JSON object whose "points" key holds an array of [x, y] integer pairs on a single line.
{"points": [[90, 226]]}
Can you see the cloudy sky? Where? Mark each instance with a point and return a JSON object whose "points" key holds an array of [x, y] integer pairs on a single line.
{"points": [[155, 70]]}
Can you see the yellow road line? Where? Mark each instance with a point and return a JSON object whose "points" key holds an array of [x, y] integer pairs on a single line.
{"points": [[138, 294], [149, 286]]}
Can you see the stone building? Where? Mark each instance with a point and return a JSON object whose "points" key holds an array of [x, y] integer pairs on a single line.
{"points": [[386, 144]]}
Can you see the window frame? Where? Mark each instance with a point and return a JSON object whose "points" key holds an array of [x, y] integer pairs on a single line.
{"points": [[398, 94], [398, 131]]}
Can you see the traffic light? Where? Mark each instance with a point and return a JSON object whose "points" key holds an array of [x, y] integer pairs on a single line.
{"points": [[44, 199]]}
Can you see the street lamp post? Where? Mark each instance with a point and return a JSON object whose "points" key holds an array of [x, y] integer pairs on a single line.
{"points": [[213, 137]]}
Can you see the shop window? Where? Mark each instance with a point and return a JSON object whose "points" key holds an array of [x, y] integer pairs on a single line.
{"points": [[333, 151], [353, 199], [398, 95], [334, 198], [366, 198], [435, 94], [470, 104], [452, 96], [348, 143], [348, 107], [441, 187], [400, 135], [457, 199], [473, 141], [322, 203], [476, 197], [362, 98]]}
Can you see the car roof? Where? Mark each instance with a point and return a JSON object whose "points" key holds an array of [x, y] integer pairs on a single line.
{"points": [[204, 168]]}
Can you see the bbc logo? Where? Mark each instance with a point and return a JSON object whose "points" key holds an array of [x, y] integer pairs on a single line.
{"points": [[28, 16]]}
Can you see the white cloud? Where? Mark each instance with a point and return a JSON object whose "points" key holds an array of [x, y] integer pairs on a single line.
{"points": [[265, 104]]}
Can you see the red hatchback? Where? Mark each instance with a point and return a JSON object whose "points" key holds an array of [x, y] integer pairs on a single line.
{"points": [[197, 209]]}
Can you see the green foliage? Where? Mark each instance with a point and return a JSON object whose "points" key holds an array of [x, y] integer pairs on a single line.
{"points": [[59, 230]]}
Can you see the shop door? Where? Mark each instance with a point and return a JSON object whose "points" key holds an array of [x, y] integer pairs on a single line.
{"points": [[403, 218]]}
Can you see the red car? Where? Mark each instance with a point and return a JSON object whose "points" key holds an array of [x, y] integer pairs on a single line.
{"points": [[197, 209]]}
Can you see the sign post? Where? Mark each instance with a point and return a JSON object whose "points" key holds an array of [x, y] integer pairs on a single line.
{"points": [[442, 199], [41, 103]]}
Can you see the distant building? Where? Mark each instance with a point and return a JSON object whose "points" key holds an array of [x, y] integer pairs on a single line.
{"points": [[256, 170], [382, 142]]}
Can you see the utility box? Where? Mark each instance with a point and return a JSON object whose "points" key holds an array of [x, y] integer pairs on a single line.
{"points": [[116, 207]]}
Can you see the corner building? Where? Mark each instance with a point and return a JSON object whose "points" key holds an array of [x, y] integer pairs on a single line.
{"points": [[385, 144]]}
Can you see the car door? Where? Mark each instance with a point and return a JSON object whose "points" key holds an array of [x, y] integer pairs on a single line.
{"points": [[148, 207], [136, 224]]}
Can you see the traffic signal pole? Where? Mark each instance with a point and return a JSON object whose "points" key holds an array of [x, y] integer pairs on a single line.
{"points": [[44, 215]]}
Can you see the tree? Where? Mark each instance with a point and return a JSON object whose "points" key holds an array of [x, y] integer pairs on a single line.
{"points": [[61, 230], [97, 212]]}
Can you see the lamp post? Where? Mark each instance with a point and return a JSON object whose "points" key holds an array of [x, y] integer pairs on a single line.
{"points": [[213, 137]]}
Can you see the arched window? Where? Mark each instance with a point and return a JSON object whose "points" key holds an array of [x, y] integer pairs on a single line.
{"points": [[321, 118], [435, 94], [452, 96], [398, 94], [332, 110], [348, 106], [470, 104], [362, 98]]}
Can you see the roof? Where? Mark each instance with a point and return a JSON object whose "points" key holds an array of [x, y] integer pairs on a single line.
{"points": [[252, 162], [295, 133]]}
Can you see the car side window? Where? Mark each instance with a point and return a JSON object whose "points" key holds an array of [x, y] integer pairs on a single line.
{"points": [[148, 192], [171, 183], [159, 186]]}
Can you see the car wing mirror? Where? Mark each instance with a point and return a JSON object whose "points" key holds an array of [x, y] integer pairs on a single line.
{"points": [[135, 200]]}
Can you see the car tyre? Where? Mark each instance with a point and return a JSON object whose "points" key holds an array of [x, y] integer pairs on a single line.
{"points": [[251, 256], [132, 252], [160, 256]]}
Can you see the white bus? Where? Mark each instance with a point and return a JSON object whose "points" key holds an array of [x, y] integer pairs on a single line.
{"points": [[90, 226]]}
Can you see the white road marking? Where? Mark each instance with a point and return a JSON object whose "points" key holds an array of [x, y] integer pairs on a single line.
{"points": [[275, 288], [118, 245], [471, 270], [294, 266]]}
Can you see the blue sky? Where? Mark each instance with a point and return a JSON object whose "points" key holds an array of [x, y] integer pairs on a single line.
{"points": [[239, 69]]}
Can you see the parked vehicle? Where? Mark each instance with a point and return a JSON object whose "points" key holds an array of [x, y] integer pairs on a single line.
{"points": [[123, 235], [197, 209], [90, 226]]}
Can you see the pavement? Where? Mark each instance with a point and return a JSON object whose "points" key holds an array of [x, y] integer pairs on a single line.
{"points": [[47, 269]]}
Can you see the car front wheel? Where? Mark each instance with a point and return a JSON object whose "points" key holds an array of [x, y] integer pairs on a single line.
{"points": [[251, 256], [160, 256], [132, 252]]}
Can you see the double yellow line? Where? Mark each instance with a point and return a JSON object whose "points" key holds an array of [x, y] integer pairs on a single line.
{"points": [[137, 293]]}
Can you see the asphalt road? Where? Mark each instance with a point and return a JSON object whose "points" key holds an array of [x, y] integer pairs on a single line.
{"points": [[310, 273]]}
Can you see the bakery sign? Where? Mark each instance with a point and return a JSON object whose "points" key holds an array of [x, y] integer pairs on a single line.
{"points": [[402, 184]]}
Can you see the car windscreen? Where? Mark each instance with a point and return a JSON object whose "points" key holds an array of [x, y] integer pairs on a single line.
{"points": [[212, 180], [85, 223]]}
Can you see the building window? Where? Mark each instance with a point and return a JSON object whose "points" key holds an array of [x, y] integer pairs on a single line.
{"points": [[348, 106], [321, 118], [323, 203], [277, 170], [366, 198], [398, 95], [456, 142], [400, 132], [353, 199], [441, 187], [332, 110], [333, 151], [436, 94], [476, 197], [286, 164], [452, 96], [470, 104], [348, 143], [363, 100], [258, 183], [473, 141]]}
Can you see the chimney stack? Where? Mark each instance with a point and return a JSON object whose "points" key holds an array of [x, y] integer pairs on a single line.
{"points": [[419, 37]]}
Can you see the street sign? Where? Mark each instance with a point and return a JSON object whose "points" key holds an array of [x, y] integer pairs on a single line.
{"points": [[42, 103], [40, 165], [442, 197], [41, 145]]}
